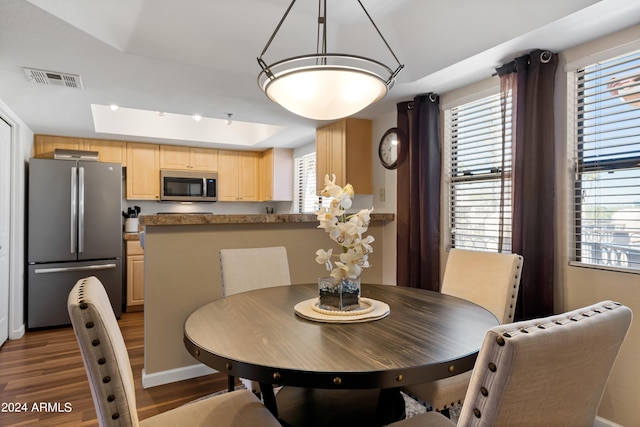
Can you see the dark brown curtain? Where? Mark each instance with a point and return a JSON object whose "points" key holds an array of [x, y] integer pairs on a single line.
{"points": [[530, 82], [418, 193]]}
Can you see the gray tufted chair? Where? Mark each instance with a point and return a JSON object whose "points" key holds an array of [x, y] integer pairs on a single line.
{"points": [[109, 370], [526, 370], [488, 279]]}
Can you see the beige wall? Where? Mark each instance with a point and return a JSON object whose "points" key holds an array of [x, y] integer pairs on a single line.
{"points": [[182, 273], [578, 286]]}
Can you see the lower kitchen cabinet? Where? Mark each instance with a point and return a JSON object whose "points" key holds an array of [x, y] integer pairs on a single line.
{"points": [[135, 276]]}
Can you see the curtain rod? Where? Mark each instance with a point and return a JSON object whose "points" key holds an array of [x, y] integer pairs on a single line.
{"points": [[545, 57]]}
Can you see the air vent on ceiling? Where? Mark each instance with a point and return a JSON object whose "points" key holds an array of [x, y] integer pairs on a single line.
{"points": [[53, 78]]}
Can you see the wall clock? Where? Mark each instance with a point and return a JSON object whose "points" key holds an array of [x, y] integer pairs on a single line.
{"points": [[388, 149]]}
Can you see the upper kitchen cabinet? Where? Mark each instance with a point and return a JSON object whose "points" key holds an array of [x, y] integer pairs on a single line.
{"points": [[188, 158], [108, 151], [44, 145], [277, 175], [143, 171], [238, 176], [344, 149]]}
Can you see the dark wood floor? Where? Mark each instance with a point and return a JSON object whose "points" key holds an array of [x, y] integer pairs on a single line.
{"points": [[46, 367]]}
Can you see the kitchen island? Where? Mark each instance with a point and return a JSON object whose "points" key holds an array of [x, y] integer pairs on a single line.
{"points": [[182, 271]]}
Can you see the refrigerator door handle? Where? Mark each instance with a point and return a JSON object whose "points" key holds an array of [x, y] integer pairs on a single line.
{"points": [[74, 210], [67, 269], [81, 210]]}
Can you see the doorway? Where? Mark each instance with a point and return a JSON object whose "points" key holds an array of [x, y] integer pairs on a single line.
{"points": [[5, 224]]}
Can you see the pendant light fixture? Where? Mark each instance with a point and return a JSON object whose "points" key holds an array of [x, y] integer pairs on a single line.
{"points": [[326, 86]]}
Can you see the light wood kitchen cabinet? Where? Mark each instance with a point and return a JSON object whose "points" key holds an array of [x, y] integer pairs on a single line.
{"points": [[238, 176], [276, 181], [188, 158], [143, 171], [44, 145], [135, 276], [344, 149], [108, 151]]}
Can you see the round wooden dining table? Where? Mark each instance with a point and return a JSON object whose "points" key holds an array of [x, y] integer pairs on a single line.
{"points": [[258, 335]]}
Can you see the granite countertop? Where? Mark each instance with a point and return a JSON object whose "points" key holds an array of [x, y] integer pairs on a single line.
{"points": [[195, 219], [130, 236]]}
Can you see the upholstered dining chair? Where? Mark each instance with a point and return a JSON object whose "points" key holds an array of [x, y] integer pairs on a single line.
{"points": [[108, 368], [542, 372], [247, 269], [488, 279], [253, 268]]}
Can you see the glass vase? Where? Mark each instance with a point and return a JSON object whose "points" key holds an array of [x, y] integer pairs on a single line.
{"points": [[339, 294]]}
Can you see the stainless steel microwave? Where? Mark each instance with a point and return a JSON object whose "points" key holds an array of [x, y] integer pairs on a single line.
{"points": [[188, 186]]}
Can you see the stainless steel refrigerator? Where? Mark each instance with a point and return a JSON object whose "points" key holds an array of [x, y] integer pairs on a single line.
{"points": [[74, 231]]}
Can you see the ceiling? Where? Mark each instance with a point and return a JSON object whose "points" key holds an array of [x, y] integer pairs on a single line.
{"points": [[166, 60]]}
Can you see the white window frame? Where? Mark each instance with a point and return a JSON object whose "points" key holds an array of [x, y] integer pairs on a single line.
{"points": [[602, 248], [483, 240]]}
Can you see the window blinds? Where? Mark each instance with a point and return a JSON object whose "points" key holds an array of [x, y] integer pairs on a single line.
{"points": [[306, 198], [606, 178], [479, 175]]}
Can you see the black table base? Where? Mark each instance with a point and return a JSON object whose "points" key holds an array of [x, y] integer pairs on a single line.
{"points": [[298, 407]]}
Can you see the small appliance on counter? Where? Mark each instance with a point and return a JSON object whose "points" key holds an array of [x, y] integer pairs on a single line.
{"points": [[74, 231]]}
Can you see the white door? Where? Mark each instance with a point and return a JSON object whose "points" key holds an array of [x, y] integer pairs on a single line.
{"points": [[5, 184]]}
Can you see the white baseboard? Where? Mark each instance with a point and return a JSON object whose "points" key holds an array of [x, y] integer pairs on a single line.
{"points": [[16, 334], [174, 375]]}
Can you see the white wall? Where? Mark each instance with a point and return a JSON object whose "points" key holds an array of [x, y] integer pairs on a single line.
{"points": [[21, 150]]}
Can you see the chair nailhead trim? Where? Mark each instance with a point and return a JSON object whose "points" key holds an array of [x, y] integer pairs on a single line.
{"points": [[492, 367], [106, 379], [83, 305], [115, 416], [477, 412], [500, 341], [89, 325], [484, 391], [102, 361], [95, 342], [111, 398]]}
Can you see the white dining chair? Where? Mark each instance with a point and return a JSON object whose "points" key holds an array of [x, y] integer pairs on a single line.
{"points": [[488, 279], [542, 372], [247, 269], [108, 368]]}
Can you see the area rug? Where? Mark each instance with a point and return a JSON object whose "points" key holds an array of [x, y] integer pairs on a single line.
{"points": [[412, 406]]}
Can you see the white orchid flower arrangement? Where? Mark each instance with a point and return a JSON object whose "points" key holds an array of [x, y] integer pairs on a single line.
{"points": [[346, 230]]}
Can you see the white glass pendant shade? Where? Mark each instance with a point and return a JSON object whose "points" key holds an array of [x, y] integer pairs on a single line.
{"points": [[325, 92], [325, 86]]}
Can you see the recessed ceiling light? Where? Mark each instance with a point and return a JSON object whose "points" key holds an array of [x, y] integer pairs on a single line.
{"points": [[197, 117], [228, 120], [160, 113], [113, 107]]}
